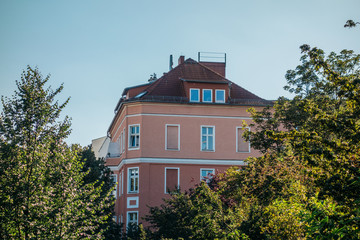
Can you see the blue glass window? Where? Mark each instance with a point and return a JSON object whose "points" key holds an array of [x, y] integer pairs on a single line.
{"points": [[207, 95], [220, 96], [134, 136], [194, 95], [207, 139]]}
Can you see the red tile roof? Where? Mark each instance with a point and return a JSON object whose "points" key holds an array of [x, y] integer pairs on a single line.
{"points": [[170, 86]]}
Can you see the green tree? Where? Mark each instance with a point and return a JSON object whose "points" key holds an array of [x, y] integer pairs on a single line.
{"points": [[42, 190], [321, 125], [100, 175], [350, 24], [306, 185], [197, 214]]}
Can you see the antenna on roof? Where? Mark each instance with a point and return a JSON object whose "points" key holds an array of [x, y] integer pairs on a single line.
{"points": [[152, 77], [171, 62]]}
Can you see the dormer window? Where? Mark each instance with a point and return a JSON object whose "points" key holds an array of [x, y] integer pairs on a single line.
{"points": [[219, 96], [207, 95], [194, 95]]}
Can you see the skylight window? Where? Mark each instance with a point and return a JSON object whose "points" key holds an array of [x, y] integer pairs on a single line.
{"points": [[140, 94]]}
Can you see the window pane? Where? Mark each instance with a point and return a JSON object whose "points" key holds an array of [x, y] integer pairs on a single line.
{"points": [[194, 95], [207, 95], [134, 138], [137, 141], [132, 218], [203, 141], [133, 180], [172, 137], [210, 143], [206, 174], [203, 130], [114, 180], [132, 188], [207, 138], [220, 96], [171, 180], [242, 144], [132, 141]]}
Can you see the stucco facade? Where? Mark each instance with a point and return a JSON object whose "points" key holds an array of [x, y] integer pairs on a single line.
{"points": [[165, 135]]}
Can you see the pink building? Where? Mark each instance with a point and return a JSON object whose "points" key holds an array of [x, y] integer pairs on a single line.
{"points": [[173, 131]]}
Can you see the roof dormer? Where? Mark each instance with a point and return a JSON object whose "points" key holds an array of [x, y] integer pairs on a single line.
{"points": [[204, 92]]}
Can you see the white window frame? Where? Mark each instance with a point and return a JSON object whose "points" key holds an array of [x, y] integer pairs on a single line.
{"points": [[219, 101], [129, 182], [172, 125], [122, 182], [201, 136], [237, 140], [211, 95], [119, 143], [178, 180], [124, 141], [130, 147], [198, 94], [128, 217], [202, 178], [136, 199], [114, 192]]}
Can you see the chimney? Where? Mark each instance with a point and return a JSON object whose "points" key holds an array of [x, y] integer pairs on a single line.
{"points": [[171, 62], [219, 65], [216, 67], [181, 59]]}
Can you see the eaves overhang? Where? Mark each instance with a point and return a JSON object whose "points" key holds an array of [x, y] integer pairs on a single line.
{"points": [[141, 85], [204, 81]]}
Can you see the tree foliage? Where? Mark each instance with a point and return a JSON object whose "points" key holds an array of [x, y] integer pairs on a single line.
{"points": [[43, 194], [100, 175], [350, 24], [306, 185], [197, 214]]}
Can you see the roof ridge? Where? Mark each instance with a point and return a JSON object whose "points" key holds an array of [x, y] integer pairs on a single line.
{"points": [[163, 77]]}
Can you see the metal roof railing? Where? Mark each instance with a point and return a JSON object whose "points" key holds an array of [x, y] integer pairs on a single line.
{"points": [[212, 57]]}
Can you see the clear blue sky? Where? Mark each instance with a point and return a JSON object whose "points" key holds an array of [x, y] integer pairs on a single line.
{"points": [[97, 48]]}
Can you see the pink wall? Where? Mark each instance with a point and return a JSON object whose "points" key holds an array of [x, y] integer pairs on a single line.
{"points": [[151, 156], [152, 184], [154, 117]]}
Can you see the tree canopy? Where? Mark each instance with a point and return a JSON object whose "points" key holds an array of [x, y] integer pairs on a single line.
{"points": [[350, 24], [43, 194], [307, 183]]}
